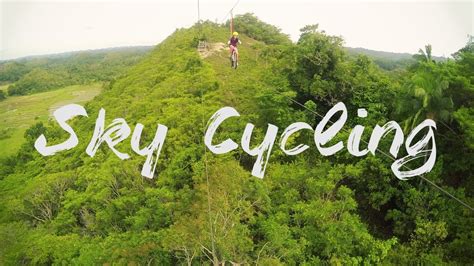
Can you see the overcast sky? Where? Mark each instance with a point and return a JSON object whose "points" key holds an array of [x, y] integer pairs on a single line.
{"points": [[42, 27]]}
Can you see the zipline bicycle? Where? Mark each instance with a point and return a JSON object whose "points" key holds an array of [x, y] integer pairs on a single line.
{"points": [[234, 52]]}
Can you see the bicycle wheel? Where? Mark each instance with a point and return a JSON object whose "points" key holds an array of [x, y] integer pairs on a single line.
{"points": [[234, 60]]}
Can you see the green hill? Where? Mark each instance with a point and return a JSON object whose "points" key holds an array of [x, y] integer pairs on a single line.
{"points": [[203, 208], [47, 72], [388, 60]]}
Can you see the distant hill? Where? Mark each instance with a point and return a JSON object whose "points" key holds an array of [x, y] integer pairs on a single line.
{"points": [[387, 60], [45, 72], [140, 48]]}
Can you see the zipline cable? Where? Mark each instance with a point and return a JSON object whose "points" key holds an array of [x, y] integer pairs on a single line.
{"points": [[390, 157], [230, 11]]}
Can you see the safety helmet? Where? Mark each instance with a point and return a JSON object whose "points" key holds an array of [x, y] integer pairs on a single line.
{"points": [[235, 33]]}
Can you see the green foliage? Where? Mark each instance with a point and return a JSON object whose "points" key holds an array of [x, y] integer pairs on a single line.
{"points": [[256, 29], [12, 71], [426, 95], [38, 80], [310, 216], [465, 117]]}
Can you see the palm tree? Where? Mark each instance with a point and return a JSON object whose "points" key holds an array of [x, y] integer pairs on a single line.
{"points": [[425, 94], [424, 56]]}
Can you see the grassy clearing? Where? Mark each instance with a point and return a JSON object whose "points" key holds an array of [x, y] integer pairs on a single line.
{"points": [[20, 112], [4, 87]]}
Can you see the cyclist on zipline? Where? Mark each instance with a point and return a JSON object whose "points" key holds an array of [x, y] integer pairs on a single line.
{"points": [[234, 40]]}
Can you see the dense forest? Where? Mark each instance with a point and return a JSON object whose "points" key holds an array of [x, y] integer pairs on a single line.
{"points": [[202, 208], [42, 73]]}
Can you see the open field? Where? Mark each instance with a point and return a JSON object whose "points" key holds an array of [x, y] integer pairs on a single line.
{"points": [[20, 112]]}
